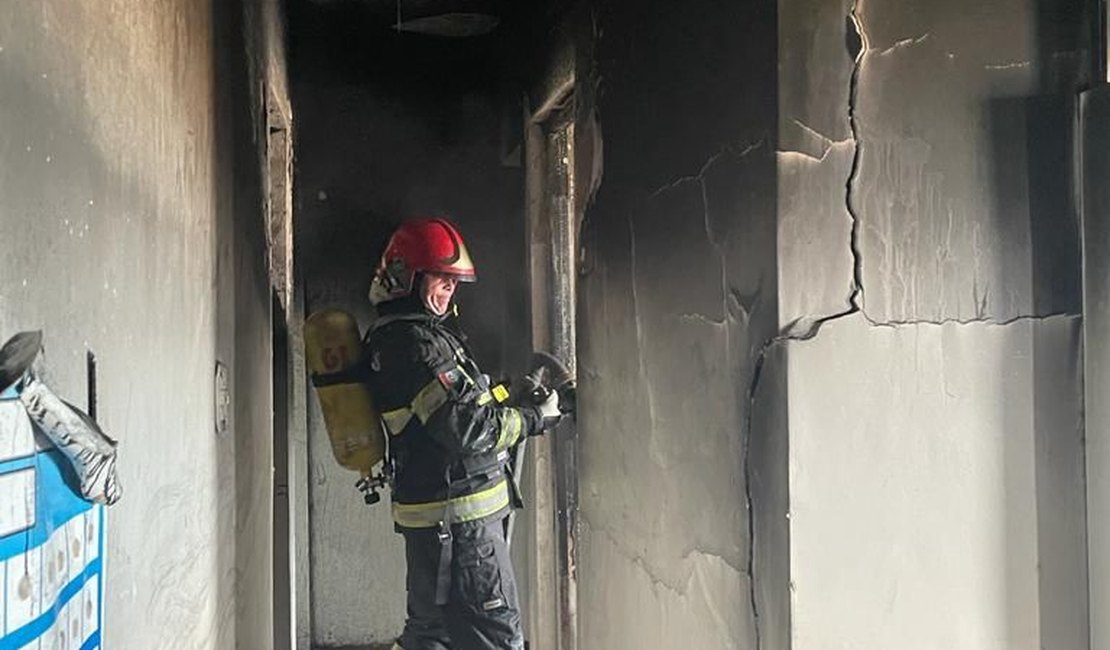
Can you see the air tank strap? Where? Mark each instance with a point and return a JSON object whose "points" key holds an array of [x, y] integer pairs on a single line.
{"points": [[353, 375]]}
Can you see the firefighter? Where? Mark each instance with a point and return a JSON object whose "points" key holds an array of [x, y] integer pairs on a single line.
{"points": [[449, 441]]}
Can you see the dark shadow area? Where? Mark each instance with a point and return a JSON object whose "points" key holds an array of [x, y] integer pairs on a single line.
{"points": [[1069, 47], [243, 330], [1096, 371], [392, 125], [1053, 214], [1009, 164], [1035, 215], [1034, 172], [1066, 45], [283, 579]]}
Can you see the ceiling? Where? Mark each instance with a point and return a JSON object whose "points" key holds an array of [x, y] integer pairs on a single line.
{"points": [[449, 18]]}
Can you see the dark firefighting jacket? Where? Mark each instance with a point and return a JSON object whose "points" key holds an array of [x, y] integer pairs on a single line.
{"points": [[448, 436]]}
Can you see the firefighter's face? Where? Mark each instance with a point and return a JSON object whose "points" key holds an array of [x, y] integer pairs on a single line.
{"points": [[437, 291]]}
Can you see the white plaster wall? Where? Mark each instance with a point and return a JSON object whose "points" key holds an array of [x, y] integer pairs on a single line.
{"points": [[918, 456], [695, 609], [357, 561]]}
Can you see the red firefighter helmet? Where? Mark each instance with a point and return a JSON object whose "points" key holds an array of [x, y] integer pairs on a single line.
{"points": [[420, 245]]}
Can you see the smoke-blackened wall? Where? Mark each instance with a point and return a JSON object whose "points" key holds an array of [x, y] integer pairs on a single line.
{"points": [[678, 292], [929, 267], [828, 319], [829, 328], [391, 126]]}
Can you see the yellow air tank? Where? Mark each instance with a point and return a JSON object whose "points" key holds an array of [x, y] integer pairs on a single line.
{"points": [[333, 349]]}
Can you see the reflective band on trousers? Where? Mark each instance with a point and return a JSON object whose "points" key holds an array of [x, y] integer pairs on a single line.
{"points": [[467, 508]]}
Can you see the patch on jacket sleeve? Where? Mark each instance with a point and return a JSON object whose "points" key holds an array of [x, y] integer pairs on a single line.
{"points": [[450, 378], [490, 605]]}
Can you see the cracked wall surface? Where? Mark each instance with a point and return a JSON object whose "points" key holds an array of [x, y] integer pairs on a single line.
{"points": [[925, 160], [815, 159], [377, 142], [678, 290], [132, 227], [970, 215]]}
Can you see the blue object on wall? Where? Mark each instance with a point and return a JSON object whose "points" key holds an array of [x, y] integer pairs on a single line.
{"points": [[51, 544]]}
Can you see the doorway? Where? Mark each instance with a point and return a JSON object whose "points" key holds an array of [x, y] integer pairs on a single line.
{"points": [[287, 380], [553, 219]]}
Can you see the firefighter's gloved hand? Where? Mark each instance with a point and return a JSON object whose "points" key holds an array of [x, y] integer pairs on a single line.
{"points": [[549, 412]]}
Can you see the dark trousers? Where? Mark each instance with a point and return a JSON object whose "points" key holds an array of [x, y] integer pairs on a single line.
{"points": [[482, 612]]}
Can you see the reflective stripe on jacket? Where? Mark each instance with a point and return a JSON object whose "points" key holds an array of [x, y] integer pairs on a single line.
{"points": [[458, 510], [448, 435]]}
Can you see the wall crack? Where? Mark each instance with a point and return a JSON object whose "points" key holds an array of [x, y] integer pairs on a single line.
{"points": [[903, 44], [1008, 66], [856, 299], [827, 146], [640, 562], [708, 165], [826, 140], [809, 329], [980, 320]]}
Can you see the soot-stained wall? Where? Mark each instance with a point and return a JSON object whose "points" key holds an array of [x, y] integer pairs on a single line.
{"points": [[929, 269], [131, 222], [839, 291], [678, 290], [394, 127]]}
